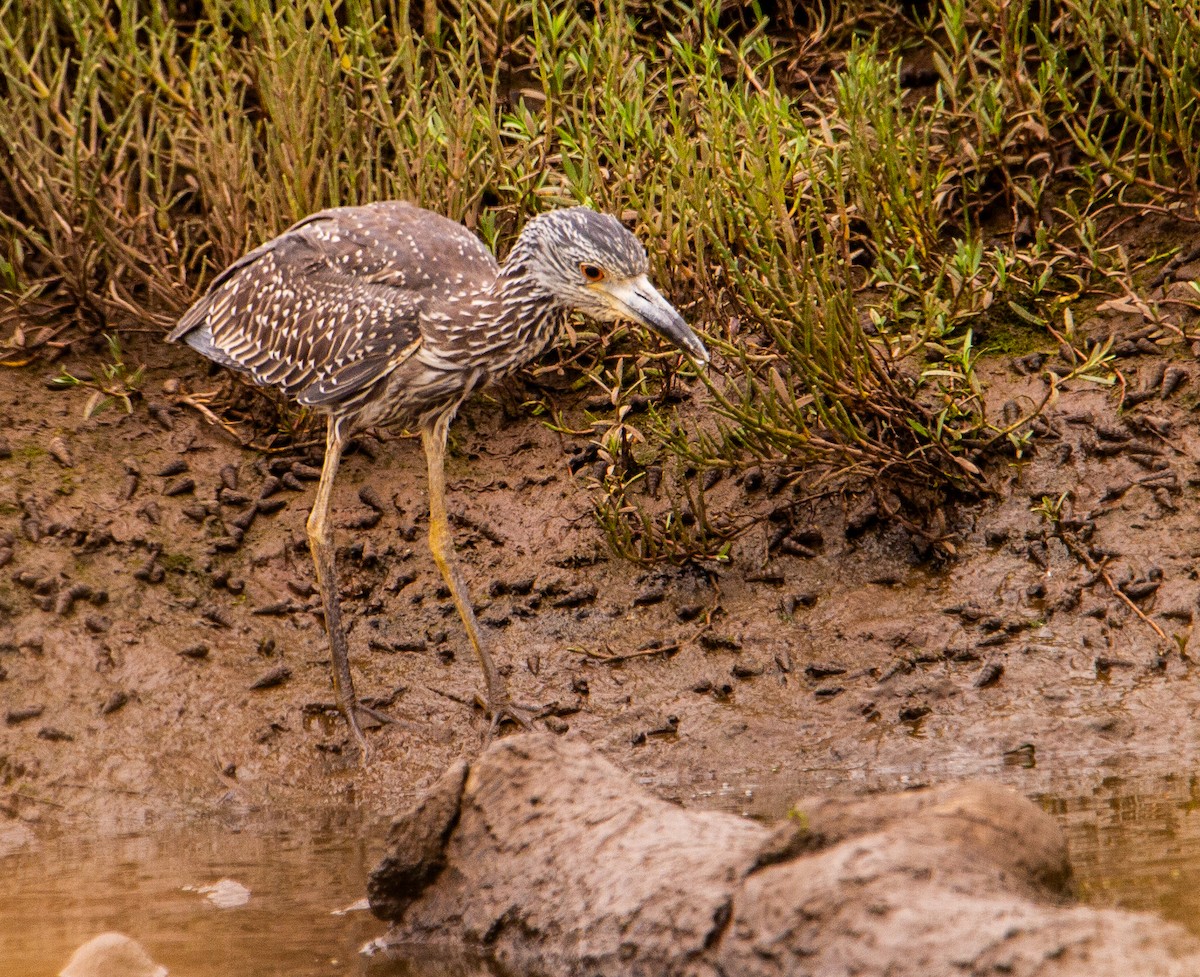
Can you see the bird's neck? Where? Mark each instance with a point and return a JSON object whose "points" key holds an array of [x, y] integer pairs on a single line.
{"points": [[528, 314]]}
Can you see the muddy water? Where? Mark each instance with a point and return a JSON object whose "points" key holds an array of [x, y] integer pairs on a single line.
{"points": [[301, 880], [1137, 849]]}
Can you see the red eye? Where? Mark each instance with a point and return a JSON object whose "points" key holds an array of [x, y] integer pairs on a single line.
{"points": [[592, 273]]}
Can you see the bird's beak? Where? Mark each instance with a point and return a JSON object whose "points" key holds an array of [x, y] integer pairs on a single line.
{"points": [[640, 301]]}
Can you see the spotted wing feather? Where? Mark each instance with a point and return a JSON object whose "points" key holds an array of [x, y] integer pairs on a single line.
{"points": [[334, 304]]}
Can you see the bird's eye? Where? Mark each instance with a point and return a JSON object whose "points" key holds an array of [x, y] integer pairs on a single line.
{"points": [[592, 273]]}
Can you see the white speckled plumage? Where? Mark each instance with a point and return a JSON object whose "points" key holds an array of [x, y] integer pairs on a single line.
{"points": [[389, 311]]}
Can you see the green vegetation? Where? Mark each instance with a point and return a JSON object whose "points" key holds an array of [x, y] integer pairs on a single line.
{"points": [[853, 203], [114, 383]]}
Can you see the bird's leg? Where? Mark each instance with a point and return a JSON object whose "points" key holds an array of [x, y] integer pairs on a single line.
{"points": [[320, 542], [441, 543]]}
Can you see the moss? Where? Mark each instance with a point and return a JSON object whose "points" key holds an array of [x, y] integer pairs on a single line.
{"points": [[177, 562]]}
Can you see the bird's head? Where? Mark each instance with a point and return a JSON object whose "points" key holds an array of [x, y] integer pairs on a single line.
{"points": [[590, 263]]}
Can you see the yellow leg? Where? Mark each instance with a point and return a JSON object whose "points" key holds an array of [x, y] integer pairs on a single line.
{"points": [[441, 543], [320, 542]]}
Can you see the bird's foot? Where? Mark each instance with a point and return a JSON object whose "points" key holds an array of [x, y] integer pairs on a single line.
{"points": [[503, 710], [358, 716]]}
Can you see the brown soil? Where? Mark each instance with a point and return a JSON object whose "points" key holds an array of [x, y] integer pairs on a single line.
{"points": [[859, 668]]}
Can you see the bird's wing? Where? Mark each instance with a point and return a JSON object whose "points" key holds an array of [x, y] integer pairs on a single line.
{"points": [[334, 304]]}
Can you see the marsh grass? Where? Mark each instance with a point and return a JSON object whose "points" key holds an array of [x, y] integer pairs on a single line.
{"points": [[847, 232]]}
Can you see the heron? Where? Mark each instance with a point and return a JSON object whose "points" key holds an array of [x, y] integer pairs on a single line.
{"points": [[387, 313]]}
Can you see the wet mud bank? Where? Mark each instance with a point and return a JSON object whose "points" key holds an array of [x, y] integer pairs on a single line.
{"points": [[545, 856]]}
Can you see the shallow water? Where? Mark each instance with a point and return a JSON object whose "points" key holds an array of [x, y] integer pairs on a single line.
{"points": [[65, 891], [1132, 847], [1137, 848]]}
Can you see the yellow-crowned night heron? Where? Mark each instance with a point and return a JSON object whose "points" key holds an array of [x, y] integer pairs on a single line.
{"points": [[388, 312]]}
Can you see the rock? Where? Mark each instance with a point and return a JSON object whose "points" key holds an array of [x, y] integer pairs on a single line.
{"points": [[112, 955], [545, 857]]}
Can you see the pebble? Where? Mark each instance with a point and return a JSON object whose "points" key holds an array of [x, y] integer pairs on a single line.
{"points": [[196, 651]]}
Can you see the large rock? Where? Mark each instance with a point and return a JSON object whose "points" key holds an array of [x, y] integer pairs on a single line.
{"points": [[544, 856]]}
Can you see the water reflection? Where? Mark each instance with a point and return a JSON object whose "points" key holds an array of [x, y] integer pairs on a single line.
{"points": [[64, 892], [1136, 845]]}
